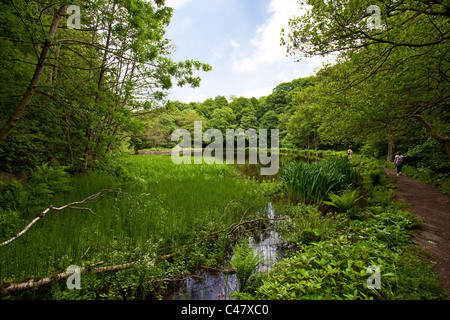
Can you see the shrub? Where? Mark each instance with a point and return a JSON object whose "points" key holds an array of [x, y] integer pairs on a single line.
{"points": [[390, 226], [44, 182], [331, 269], [308, 224], [382, 196]]}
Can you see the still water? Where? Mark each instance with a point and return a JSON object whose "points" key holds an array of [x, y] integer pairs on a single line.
{"points": [[217, 285]]}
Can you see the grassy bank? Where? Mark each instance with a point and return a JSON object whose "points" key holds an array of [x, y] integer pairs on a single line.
{"points": [[160, 209]]}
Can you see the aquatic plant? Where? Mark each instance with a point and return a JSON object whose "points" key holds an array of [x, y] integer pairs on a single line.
{"points": [[169, 205], [314, 182]]}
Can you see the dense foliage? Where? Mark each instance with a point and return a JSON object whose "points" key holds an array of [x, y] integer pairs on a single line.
{"points": [[86, 82], [75, 101]]}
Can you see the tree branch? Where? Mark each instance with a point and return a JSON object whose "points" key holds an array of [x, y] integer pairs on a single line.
{"points": [[90, 199]]}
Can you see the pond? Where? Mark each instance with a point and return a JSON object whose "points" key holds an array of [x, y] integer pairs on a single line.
{"points": [[207, 284], [217, 285]]}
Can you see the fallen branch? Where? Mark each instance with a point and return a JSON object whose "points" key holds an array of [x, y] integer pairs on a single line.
{"points": [[176, 279], [90, 199], [233, 228], [228, 205], [236, 225], [226, 271], [9, 288]]}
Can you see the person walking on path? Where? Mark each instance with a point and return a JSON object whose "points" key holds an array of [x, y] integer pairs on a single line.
{"points": [[398, 162], [349, 152]]}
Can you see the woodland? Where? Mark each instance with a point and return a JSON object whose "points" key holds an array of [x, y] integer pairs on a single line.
{"points": [[81, 94]]}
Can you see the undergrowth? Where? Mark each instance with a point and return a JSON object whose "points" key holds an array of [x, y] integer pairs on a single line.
{"points": [[331, 251]]}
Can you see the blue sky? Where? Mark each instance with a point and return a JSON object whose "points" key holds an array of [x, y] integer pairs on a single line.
{"points": [[240, 39]]}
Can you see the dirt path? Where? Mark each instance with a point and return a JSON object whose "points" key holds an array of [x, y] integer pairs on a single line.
{"points": [[434, 233]]}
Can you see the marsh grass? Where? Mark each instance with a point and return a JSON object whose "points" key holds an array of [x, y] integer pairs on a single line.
{"points": [[162, 207], [314, 182]]}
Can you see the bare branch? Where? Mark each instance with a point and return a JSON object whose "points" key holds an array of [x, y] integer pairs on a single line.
{"points": [[90, 199]]}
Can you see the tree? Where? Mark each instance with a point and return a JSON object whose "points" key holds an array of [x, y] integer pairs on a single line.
{"points": [[90, 80], [187, 119], [221, 101], [222, 119], [406, 55], [241, 106], [42, 59], [248, 119], [269, 120]]}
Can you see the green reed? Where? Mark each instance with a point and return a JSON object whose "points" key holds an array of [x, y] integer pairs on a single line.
{"points": [[314, 182], [161, 208]]}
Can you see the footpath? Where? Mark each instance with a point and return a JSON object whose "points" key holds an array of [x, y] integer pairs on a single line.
{"points": [[434, 233]]}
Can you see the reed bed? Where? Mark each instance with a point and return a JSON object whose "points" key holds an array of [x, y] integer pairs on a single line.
{"points": [[160, 208], [314, 182]]}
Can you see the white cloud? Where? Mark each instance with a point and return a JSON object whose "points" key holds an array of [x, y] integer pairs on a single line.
{"points": [[235, 44], [220, 51], [258, 93], [177, 4], [247, 57], [266, 42]]}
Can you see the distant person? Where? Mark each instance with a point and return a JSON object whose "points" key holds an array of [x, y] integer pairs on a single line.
{"points": [[349, 152], [399, 161]]}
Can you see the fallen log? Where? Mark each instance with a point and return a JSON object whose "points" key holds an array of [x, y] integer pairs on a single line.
{"points": [[233, 228], [10, 288], [226, 271]]}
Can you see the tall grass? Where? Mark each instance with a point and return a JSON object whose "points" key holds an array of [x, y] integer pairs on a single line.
{"points": [[314, 182], [162, 208]]}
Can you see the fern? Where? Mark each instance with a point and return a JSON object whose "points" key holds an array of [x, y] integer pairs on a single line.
{"points": [[344, 202], [245, 262]]}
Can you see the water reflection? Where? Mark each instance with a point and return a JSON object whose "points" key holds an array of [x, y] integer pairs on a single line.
{"points": [[216, 285], [254, 170]]}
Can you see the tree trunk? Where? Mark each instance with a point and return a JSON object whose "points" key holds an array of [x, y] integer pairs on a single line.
{"points": [[390, 151], [443, 140], [316, 141], [390, 147], [20, 109], [87, 149]]}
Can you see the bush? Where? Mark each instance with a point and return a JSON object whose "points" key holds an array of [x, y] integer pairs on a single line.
{"points": [[389, 226], [44, 182], [331, 269], [381, 195], [245, 262]]}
